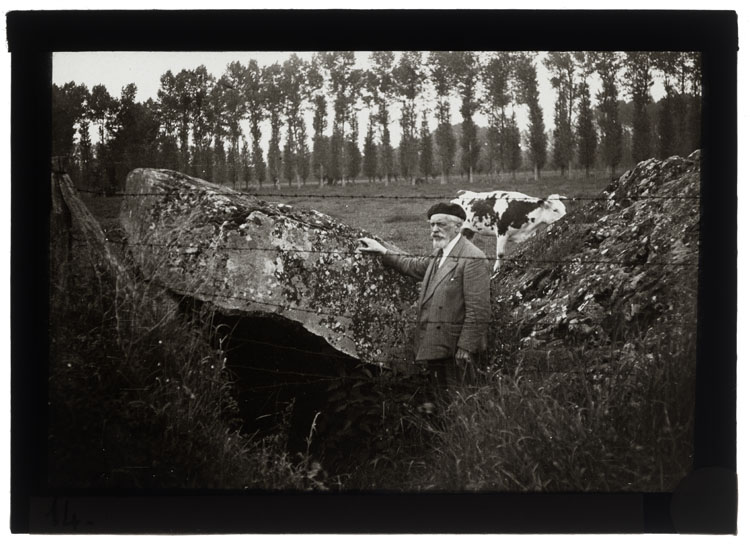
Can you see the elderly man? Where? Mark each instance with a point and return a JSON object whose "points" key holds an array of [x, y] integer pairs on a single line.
{"points": [[454, 301]]}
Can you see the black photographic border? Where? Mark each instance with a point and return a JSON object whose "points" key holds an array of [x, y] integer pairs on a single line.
{"points": [[706, 502]]}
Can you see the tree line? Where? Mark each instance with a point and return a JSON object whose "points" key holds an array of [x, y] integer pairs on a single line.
{"points": [[211, 127]]}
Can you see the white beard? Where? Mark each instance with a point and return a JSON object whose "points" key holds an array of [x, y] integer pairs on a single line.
{"points": [[439, 243]]}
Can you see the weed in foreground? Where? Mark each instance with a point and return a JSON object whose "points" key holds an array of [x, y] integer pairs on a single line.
{"points": [[140, 398], [585, 429]]}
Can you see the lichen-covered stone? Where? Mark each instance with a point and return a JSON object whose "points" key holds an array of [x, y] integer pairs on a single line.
{"points": [[615, 269], [248, 256]]}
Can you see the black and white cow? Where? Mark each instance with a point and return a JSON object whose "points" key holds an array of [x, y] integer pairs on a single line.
{"points": [[508, 215]]}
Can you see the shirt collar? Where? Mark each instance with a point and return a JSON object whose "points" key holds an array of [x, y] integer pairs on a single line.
{"points": [[450, 245]]}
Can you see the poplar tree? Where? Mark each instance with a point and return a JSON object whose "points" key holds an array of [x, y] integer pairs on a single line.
{"points": [[85, 155], [511, 145], [352, 153], [167, 108], [586, 136], [381, 87], [497, 74], [295, 92], [637, 79], [442, 74], [671, 121], [467, 69], [233, 84], [425, 149], [529, 90], [343, 87], [219, 121], [370, 159], [409, 80], [184, 110], [561, 145], [274, 103], [679, 114], [135, 136], [607, 64], [585, 130], [562, 67], [101, 110], [68, 108], [316, 86], [353, 162], [245, 163], [254, 94], [200, 83], [287, 158]]}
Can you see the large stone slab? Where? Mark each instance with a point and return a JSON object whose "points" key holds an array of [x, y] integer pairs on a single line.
{"points": [[248, 256], [615, 278]]}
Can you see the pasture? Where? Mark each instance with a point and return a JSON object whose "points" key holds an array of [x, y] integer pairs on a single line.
{"points": [[400, 217]]}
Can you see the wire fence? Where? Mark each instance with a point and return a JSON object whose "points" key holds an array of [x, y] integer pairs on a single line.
{"points": [[363, 378], [392, 197], [523, 322], [276, 306], [339, 253]]}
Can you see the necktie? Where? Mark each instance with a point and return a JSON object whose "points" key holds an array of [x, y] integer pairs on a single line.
{"points": [[436, 263]]}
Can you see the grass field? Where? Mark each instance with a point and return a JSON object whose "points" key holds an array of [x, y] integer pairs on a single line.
{"points": [[401, 216]]}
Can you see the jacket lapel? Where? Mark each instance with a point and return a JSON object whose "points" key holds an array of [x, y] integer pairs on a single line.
{"points": [[442, 272]]}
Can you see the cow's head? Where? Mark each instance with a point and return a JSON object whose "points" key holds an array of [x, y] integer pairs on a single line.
{"points": [[553, 208], [464, 199]]}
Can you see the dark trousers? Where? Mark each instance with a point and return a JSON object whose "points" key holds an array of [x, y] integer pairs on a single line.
{"points": [[446, 374], [443, 375]]}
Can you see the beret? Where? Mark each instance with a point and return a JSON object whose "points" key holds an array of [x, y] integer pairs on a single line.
{"points": [[452, 209]]}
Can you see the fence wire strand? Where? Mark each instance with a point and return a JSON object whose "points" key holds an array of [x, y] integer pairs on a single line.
{"points": [[513, 260], [333, 354], [235, 193], [333, 314]]}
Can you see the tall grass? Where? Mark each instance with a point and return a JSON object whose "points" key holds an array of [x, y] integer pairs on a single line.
{"points": [[139, 397], [617, 424]]}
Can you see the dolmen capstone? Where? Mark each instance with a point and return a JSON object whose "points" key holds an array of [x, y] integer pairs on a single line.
{"points": [[246, 256]]}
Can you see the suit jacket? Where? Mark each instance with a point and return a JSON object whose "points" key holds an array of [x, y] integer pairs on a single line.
{"points": [[454, 302]]}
